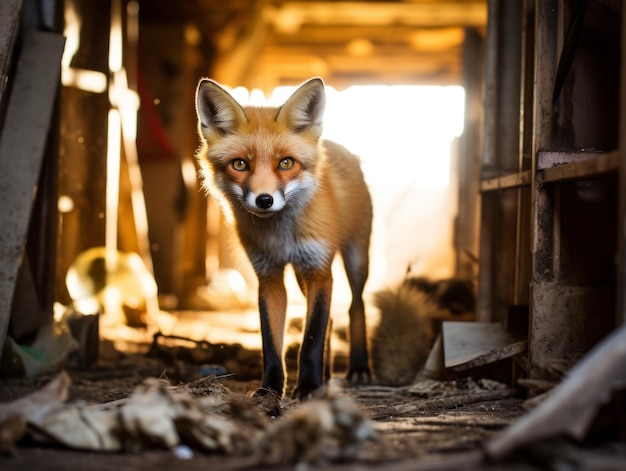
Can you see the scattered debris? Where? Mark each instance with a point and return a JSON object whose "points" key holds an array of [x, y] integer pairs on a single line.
{"points": [[429, 389], [318, 431], [11, 431], [48, 353], [206, 357], [430, 395], [15, 415], [203, 416], [571, 406], [36, 405]]}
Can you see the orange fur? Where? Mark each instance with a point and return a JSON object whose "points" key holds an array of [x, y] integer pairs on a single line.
{"points": [[294, 199]]}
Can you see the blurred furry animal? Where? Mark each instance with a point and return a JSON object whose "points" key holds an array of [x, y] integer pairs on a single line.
{"points": [[453, 294], [410, 316], [401, 340], [294, 199]]}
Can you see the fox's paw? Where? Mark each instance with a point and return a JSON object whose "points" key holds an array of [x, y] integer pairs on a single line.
{"points": [[359, 376], [268, 400], [304, 393]]}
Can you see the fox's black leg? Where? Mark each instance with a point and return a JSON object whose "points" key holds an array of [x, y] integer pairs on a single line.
{"points": [[311, 361], [272, 310], [327, 351]]}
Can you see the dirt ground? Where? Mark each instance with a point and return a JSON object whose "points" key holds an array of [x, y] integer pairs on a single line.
{"points": [[428, 425]]}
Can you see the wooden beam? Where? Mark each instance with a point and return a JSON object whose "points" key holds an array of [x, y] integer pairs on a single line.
{"points": [[293, 15], [400, 52], [592, 165], [244, 40], [395, 61], [384, 70], [310, 35], [514, 180]]}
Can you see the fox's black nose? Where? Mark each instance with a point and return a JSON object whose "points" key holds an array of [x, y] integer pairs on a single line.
{"points": [[264, 201]]}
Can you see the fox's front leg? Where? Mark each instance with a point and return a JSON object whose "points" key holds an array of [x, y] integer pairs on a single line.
{"points": [[272, 310], [317, 288]]}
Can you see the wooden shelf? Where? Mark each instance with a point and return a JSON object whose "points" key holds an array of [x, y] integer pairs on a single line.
{"points": [[555, 167], [580, 166], [514, 180]]}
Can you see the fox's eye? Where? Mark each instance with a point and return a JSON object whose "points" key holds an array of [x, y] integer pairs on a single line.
{"points": [[286, 163], [240, 165]]}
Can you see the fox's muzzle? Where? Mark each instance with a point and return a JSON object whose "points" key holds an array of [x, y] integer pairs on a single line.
{"points": [[263, 204]]}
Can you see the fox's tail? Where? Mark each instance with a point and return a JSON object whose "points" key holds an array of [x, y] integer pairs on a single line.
{"points": [[403, 337]]}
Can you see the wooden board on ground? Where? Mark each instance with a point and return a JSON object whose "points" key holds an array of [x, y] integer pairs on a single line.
{"points": [[471, 344]]}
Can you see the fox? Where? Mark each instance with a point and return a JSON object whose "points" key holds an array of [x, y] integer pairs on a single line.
{"points": [[295, 199]]}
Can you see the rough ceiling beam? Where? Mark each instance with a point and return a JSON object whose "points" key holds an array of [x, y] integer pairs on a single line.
{"points": [[293, 15], [341, 35], [382, 52], [400, 65]]}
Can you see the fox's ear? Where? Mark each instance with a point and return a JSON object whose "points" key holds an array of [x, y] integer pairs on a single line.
{"points": [[218, 112], [304, 110]]}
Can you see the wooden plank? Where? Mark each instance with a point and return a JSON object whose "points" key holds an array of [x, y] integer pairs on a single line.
{"points": [[558, 166], [548, 159], [470, 344], [594, 166], [621, 216], [22, 145], [9, 28], [514, 180]]}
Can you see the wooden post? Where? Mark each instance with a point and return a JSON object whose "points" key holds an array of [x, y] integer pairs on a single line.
{"points": [[621, 217], [500, 157], [82, 154], [466, 226]]}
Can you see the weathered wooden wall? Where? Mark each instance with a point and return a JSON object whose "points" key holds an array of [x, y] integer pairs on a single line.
{"points": [[561, 190]]}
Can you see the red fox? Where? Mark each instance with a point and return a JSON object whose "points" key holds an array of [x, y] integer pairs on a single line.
{"points": [[294, 199]]}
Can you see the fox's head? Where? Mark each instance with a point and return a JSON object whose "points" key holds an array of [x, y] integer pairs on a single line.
{"points": [[264, 160]]}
